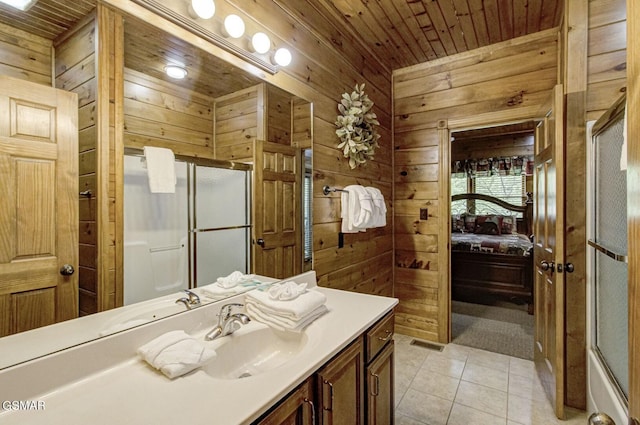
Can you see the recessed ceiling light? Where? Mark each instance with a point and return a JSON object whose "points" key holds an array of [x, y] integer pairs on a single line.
{"points": [[234, 26], [282, 56], [23, 5], [175, 71], [260, 42], [203, 9]]}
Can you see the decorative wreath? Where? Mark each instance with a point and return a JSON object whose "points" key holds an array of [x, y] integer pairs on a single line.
{"points": [[356, 130]]}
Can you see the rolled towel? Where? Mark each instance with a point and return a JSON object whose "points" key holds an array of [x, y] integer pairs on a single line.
{"points": [[234, 279], [175, 353], [292, 309], [282, 323], [286, 290]]}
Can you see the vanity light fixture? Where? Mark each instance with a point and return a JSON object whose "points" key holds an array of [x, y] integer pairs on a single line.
{"points": [[234, 26], [175, 71], [282, 56], [203, 9], [23, 5], [260, 43]]}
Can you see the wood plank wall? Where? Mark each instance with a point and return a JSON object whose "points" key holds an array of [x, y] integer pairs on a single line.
{"points": [[509, 145], [159, 113], [236, 124], [504, 83], [279, 118], [607, 55], [25, 56], [75, 70]]}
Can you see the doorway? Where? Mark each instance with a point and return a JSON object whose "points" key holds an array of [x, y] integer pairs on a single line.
{"points": [[490, 238]]}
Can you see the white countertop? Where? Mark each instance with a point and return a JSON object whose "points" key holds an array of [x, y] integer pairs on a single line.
{"points": [[123, 389]]}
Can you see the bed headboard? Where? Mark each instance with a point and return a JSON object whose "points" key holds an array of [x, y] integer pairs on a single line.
{"points": [[525, 225]]}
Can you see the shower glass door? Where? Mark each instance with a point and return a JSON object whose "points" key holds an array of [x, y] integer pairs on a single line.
{"points": [[221, 222], [608, 246]]}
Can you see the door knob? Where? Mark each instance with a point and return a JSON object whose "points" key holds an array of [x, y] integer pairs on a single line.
{"points": [[567, 268], [260, 242], [544, 265], [67, 270]]}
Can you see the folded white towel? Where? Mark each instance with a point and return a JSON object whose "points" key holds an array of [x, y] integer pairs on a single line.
{"points": [[234, 279], [292, 309], [161, 169], [215, 290], [379, 216], [361, 218], [175, 353], [286, 290], [282, 323]]}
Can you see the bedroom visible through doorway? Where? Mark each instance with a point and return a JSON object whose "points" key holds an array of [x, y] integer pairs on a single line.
{"points": [[491, 229]]}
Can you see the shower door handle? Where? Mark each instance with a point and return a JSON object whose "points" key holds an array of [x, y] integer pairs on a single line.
{"points": [[260, 242]]}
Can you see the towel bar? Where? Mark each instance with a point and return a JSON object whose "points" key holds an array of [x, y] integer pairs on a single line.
{"points": [[327, 190]]}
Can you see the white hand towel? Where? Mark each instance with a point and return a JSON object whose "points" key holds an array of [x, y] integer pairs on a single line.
{"points": [[161, 169], [281, 323], [347, 226], [286, 290], [354, 215], [215, 290], [293, 309], [175, 353], [379, 216]]}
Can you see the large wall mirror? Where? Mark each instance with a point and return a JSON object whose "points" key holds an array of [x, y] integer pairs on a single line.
{"points": [[230, 211]]}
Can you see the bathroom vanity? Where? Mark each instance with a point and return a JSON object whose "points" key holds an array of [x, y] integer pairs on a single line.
{"points": [[339, 369]]}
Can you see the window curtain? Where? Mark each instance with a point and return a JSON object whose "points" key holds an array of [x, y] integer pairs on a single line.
{"points": [[504, 166]]}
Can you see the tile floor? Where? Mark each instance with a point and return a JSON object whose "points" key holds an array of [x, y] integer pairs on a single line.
{"points": [[467, 386]]}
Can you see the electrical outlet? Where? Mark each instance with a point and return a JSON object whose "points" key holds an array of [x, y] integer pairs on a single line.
{"points": [[424, 213]]}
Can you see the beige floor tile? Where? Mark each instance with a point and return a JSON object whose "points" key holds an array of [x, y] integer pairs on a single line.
{"points": [[435, 384], [489, 359], [486, 399], [405, 420], [528, 387], [424, 407], [486, 376], [455, 351], [439, 363], [521, 367], [531, 411], [464, 415]]}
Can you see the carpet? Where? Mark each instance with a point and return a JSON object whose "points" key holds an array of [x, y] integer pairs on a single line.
{"points": [[497, 328]]}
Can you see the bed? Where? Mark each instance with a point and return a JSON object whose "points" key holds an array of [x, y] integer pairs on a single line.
{"points": [[492, 254]]}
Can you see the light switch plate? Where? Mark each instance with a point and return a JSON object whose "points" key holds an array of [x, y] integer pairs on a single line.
{"points": [[424, 213]]}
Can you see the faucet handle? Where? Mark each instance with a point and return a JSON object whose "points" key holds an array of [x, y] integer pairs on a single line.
{"points": [[225, 311], [194, 299]]}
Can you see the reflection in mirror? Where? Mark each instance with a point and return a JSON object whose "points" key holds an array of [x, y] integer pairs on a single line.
{"points": [[215, 115]]}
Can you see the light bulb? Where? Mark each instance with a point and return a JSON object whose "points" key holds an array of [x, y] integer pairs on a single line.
{"points": [[282, 56], [175, 71], [260, 42], [204, 9], [234, 26]]}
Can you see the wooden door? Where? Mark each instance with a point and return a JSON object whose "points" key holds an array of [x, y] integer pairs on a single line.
{"points": [[39, 209], [296, 409], [549, 251], [277, 241], [340, 384]]}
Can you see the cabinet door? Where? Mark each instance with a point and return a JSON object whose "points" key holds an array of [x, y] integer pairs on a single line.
{"points": [[380, 407], [340, 388], [296, 409]]}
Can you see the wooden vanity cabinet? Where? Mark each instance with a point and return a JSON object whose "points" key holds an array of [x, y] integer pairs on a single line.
{"points": [[295, 409], [353, 388], [379, 372], [340, 388]]}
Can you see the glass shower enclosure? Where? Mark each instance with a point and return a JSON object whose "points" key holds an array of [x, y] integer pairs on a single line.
{"points": [[181, 240]]}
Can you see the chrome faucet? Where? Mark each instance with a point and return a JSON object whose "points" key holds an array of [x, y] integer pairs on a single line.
{"points": [[191, 300], [227, 323]]}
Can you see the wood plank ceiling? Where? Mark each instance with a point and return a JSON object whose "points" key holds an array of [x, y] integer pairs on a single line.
{"points": [[400, 33]]}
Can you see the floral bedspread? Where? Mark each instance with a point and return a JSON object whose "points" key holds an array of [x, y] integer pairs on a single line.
{"points": [[513, 244]]}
